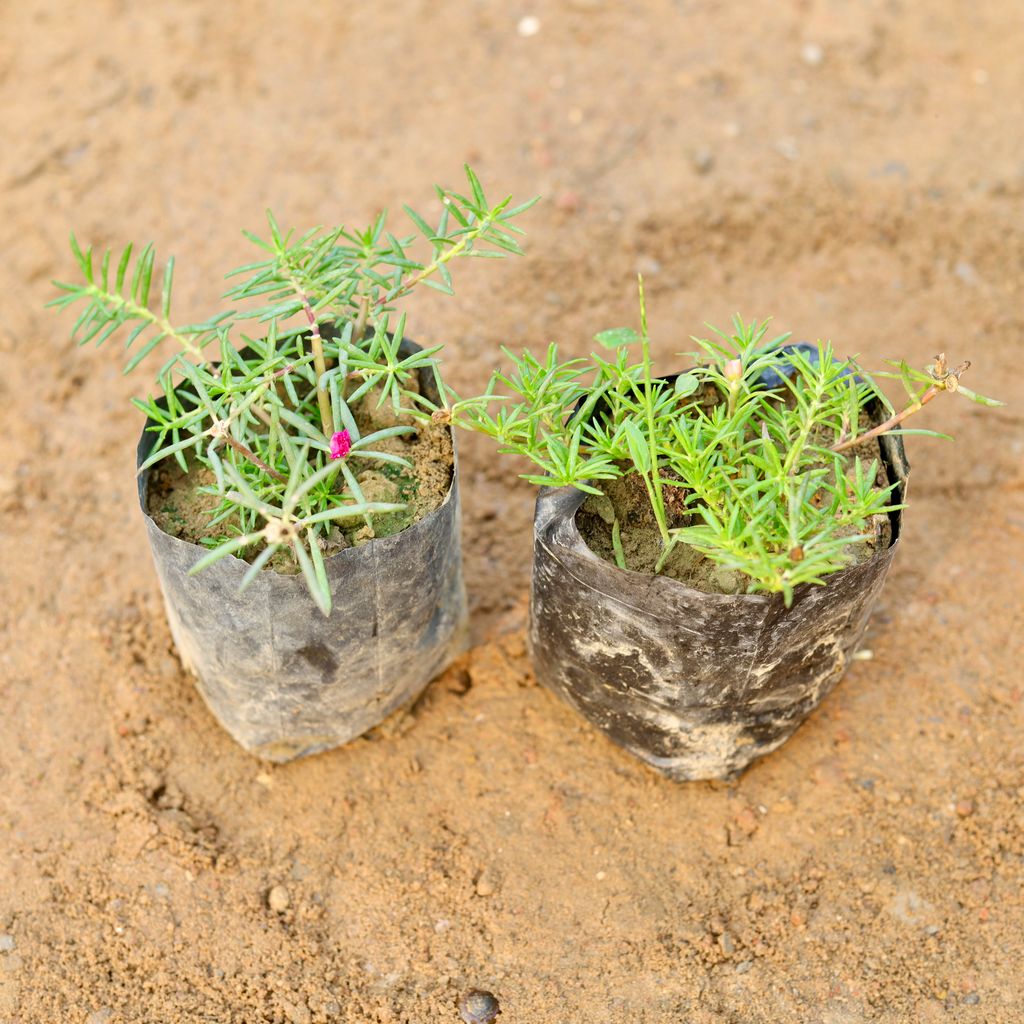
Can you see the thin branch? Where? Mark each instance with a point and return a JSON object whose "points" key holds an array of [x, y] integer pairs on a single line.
{"points": [[254, 458], [949, 381]]}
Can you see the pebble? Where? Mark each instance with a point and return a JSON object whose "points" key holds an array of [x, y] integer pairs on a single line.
{"points": [[479, 1007], [484, 885], [568, 201], [703, 160], [787, 147], [528, 26], [965, 808], [297, 1013], [7, 943], [725, 941], [972, 999], [744, 967], [278, 899], [812, 54], [100, 1016], [966, 273]]}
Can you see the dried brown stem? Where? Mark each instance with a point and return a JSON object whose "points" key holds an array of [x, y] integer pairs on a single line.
{"points": [[948, 381], [246, 453]]}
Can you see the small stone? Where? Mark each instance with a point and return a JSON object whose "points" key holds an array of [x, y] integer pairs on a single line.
{"points": [[787, 147], [812, 54], [744, 967], [965, 808], [909, 907], [297, 1013], [101, 1016], [528, 26], [703, 160], [479, 1007], [725, 941], [484, 884], [7, 943], [972, 999], [442, 925], [567, 201], [727, 581], [966, 273], [278, 899]]}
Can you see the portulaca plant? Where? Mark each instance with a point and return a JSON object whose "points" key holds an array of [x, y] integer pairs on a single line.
{"points": [[262, 394], [760, 445]]}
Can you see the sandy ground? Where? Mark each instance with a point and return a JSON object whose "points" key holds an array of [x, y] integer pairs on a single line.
{"points": [[855, 170]]}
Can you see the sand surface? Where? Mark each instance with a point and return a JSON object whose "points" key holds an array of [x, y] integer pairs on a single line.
{"points": [[855, 170]]}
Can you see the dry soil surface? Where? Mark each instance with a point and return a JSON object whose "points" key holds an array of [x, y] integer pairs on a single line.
{"points": [[855, 170]]}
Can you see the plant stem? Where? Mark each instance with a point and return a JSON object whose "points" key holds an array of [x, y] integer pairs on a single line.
{"points": [[320, 365], [438, 261], [893, 421], [142, 313], [246, 453], [654, 484]]}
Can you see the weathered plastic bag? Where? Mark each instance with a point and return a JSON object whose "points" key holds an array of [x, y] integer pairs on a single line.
{"points": [[284, 680], [697, 685]]}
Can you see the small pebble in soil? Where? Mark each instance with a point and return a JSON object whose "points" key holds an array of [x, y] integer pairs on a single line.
{"points": [[966, 273], [7, 943], [528, 26], [278, 899], [479, 1007], [484, 885], [812, 54], [788, 148], [972, 999], [703, 160], [744, 967]]}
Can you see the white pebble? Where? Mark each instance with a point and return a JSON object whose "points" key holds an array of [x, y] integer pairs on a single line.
{"points": [[278, 899], [528, 26], [812, 54]]}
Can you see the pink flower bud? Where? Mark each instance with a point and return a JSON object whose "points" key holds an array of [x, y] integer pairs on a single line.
{"points": [[341, 444], [733, 371]]}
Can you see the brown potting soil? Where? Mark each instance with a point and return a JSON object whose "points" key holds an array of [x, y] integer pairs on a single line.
{"points": [[854, 170], [181, 504]]}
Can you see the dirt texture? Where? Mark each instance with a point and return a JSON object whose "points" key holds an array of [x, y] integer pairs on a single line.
{"points": [[854, 169]]}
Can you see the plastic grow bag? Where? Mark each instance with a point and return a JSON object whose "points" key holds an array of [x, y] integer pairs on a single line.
{"points": [[284, 680], [698, 685]]}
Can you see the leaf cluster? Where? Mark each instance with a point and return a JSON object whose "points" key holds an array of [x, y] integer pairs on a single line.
{"points": [[755, 438], [256, 392]]}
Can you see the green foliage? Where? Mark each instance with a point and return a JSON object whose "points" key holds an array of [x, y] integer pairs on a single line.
{"points": [[260, 407], [753, 435]]}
